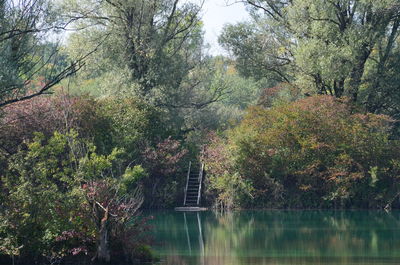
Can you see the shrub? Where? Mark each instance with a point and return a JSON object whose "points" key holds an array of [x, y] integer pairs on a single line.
{"points": [[224, 187], [61, 198], [315, 152], [165, 175], [129, 124], [46, 115]]}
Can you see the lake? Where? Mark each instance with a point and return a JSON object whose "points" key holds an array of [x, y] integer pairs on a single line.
{"points": [[277, 237]]}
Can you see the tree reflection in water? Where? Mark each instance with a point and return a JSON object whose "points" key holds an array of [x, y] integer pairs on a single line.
{"points": [[278, 237]]}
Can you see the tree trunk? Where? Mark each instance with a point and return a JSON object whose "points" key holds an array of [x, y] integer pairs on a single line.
{"points": [[153, 192], [338, 88], [371, 103], [357, 73], [103, 251]]}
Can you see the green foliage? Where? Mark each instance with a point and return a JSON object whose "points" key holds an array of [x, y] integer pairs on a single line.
{"points": [[316, 152], [155, 54], [45, 210], [40, 191], [233, 191], [341, 48], [31, 62], [165, 167], [256, 52], [133, 123], [144, 253], [225, 187], [153, 43], [122, 131], [155, 94], [130, 180]]}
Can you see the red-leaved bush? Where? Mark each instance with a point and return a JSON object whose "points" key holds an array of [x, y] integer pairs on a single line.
{"points": [[45, 114], [163, 164]]}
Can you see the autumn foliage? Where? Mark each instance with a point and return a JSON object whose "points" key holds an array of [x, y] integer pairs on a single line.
{"points": [[46, 115], [316, 152], [74, 172]]}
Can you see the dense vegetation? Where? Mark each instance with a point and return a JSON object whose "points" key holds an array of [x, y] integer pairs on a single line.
{"points": [[101, 122], [274, 158]]}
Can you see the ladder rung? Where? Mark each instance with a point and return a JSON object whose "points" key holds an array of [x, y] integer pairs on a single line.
{"points": [[193, 184]]}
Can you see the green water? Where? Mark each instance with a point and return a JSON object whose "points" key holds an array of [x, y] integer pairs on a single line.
{"points": [[277, 237]]}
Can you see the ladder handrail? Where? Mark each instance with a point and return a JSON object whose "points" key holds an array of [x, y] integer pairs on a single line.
{"points": [[200, 181], [187, 183]]}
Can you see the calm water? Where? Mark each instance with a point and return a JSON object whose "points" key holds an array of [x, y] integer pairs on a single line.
{"points": [[277, 238]]}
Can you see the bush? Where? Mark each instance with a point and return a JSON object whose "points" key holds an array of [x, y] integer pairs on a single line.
{"points": [[315, 152], [133, 125], [46, 115], [163, 163], [61, 198], [224, 187], [128, 124]]}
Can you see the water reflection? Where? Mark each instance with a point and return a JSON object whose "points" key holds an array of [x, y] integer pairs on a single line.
{"points": [[278, 237]]}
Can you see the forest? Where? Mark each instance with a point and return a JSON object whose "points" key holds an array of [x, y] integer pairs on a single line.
{"points": [[103, 103]]}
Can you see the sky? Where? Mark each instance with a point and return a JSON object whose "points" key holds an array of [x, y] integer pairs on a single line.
{"points": [[216, 13]]}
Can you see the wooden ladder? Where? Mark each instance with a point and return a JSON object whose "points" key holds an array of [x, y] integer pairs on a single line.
{"points": [[193, 187]]}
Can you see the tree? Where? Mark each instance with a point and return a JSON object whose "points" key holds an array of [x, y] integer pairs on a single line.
{"points": [[24, 54], [331, 46], [258, 52], [152, 50], [154, 40], [111, 213]]}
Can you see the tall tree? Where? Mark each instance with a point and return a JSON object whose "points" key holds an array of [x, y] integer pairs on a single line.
{"points": [[157, 41], [24, 54], [154, 47], [330, 44]]}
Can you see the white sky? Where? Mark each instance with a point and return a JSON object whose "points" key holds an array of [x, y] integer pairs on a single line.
{"points": [[216, 13]]}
